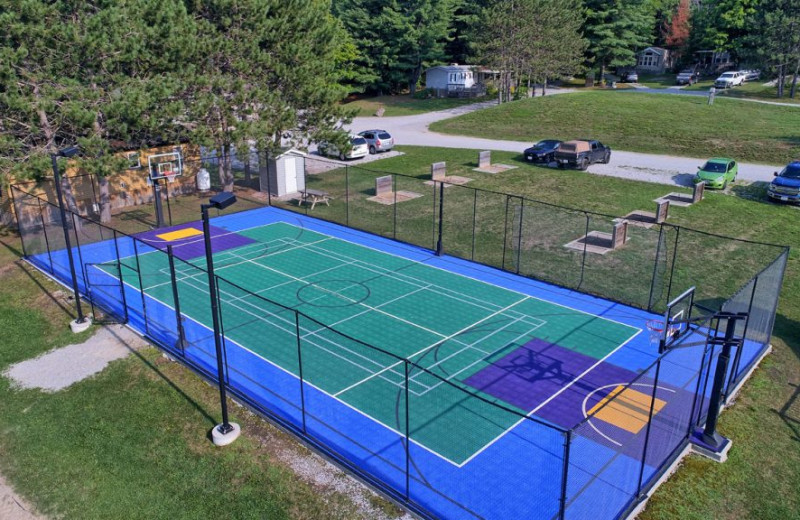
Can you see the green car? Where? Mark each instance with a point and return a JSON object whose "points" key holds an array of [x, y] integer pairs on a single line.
{"points": [[717, 172]]}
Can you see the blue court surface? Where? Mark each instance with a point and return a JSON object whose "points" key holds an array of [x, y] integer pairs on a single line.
{"points": [[467, 391]]}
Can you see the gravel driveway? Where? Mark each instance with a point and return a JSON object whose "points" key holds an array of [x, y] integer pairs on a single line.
{"points": [[663, 169]]}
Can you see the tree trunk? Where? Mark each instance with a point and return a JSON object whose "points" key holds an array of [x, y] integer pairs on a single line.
{"points": [[105, 199], [781, 80], [225, 169], [413, 78], [794, 79], [544, 86]]}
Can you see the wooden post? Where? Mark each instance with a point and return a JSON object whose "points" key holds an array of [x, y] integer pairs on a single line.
{"points": [[620, 234], [698, 192], [662, 211], [438, 171]]}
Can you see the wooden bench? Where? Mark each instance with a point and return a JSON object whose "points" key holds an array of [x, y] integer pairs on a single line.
{"points": [[314, 197]]}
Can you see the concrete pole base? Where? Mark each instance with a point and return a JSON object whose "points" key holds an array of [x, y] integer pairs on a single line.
{"points": [[77, 327], [223, 439]]}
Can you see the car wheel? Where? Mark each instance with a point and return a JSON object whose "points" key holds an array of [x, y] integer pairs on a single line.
{"points": [[607, 158], [372, 150], [560, 166], [584, 165]]}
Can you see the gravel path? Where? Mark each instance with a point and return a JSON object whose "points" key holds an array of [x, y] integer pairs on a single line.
{"points": [[663, 169]]}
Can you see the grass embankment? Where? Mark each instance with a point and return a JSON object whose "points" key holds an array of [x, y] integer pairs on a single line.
{"points": [[649, 123], [131, 441], [405, 105], [136, 438]]}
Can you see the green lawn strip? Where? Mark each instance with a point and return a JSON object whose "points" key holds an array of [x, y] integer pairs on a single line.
{"points": [[651, 123], [406, 105], [125, 443]]}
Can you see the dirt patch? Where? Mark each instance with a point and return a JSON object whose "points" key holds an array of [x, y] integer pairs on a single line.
{"points": [[14, 507], [60, 368]]}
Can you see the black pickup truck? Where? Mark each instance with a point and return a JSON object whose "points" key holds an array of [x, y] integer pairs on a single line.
{"points": [[580, 154]]}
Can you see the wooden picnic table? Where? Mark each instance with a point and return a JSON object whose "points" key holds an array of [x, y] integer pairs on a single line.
{"points": [[315, 197]]}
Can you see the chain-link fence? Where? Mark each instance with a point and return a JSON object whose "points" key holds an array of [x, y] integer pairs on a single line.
{"points": [[275, 357]]}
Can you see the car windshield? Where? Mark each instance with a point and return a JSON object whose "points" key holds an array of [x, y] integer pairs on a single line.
{"points": [[714, 167], [791, 172], [687, 71], [358, 140], [384, 135], [545, 144], [727, 75]]}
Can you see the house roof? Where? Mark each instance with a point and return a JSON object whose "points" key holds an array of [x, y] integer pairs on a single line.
{"points": [[452, 68], [657, 50]]}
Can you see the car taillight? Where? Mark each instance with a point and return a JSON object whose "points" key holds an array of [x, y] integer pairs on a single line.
{"points": [[378, 142]]}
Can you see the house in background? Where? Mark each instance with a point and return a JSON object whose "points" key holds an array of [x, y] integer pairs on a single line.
{"points": [[654, 59], [454, 80]]}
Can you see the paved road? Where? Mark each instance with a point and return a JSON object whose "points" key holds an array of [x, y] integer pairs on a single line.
{"points": [[663, 169]]}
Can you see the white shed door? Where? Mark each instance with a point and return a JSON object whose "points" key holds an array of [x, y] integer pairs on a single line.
{"points": [[290, 173]]}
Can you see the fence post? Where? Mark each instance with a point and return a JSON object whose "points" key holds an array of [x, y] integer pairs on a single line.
{"points": [[223, 345], [519, 238], [505, 235], [121, 279], [346, 196], [46, 240], [18, 214], [562, 511], [81, 264], [647, 430], [441, 219], [176, 300], [737, 358], [300, 370], [394, 207], [474, 220], [433, 218], [674, 259], [697, 396], [585, 246], [408, 437], [655, 268], [141, 286]]}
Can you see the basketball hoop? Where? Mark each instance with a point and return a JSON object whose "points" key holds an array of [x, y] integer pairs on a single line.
{"points": [[656, 328]]}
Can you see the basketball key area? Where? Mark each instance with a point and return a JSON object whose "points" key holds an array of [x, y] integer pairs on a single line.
{"points": [[534, 356]]}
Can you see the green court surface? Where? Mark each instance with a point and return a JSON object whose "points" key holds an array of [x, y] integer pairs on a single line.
{"points": [[449, 324]]}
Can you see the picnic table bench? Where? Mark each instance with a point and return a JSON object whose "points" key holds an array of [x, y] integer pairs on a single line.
{"points": [[314, 197]]}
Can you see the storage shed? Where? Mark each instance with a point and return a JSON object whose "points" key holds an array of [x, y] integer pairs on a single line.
{"points": [[285, 173]]}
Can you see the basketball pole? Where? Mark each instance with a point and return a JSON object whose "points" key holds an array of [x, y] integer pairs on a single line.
{"points": [[157, 200]]}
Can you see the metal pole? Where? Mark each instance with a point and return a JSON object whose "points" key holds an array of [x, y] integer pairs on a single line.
{"points": [[176, 298], [649, 424], [562, 510], [157, 200], [710, 435], [441, 219], [300, 369], [408, 437], [655, 268], [225, 427], [81, 319]]}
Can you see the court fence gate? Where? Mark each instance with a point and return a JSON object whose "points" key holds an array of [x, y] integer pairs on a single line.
{"points": [[505, 231]]}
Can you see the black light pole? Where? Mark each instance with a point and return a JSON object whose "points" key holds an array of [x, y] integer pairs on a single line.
{"points": [[81, 322], [225, 433]]}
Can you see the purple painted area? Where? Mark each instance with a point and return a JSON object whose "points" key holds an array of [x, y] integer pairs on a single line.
{"points": [[193, 247], [530, 377]]}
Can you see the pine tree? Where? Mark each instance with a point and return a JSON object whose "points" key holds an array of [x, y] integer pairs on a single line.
{"points": [[617, 30]]}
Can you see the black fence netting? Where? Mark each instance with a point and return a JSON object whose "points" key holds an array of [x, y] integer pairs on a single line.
{"points": [[393, 421]]}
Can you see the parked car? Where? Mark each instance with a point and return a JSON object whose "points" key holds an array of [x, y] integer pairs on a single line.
{"points": [[358, 149], [729, 79], [378, 140], [717, 172], [752, 75], [785, 187], [542, 152], [688, 76], [580, 154], [630, 76]]}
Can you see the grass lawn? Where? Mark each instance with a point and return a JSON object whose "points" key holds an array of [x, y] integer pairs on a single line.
{"points": [[405, 105], [131, 441], [650, 123]]}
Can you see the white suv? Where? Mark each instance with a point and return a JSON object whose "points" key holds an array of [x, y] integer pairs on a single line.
{"points": [[729, 79]]}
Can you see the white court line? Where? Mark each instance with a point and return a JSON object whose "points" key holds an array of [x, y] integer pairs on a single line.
{"points": [[560, 391], [464, 369], [291, 330], [429, 347]]}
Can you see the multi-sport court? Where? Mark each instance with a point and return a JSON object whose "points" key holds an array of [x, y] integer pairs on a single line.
{"points": [[323, 325]]}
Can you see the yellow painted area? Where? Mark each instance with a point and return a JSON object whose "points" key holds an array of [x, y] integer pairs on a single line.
{"points": [[628, 409], [179, 234]]}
